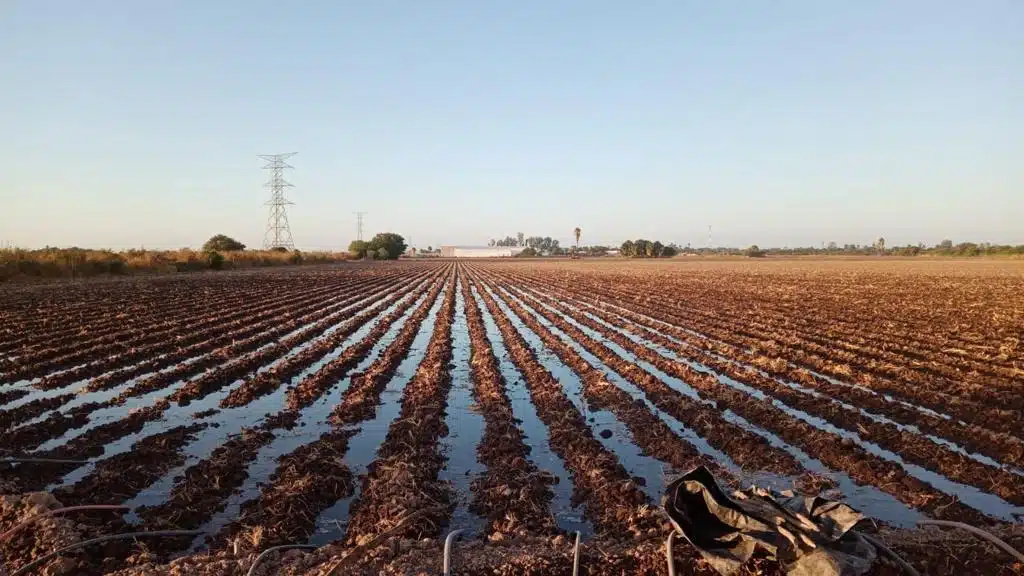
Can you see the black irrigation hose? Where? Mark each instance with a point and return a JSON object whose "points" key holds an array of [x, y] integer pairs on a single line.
{"points": [[40, 561], [977, 532], [892, 555]]}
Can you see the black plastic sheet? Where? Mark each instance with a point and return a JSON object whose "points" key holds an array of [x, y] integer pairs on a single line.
{"points": [[807, 535]]}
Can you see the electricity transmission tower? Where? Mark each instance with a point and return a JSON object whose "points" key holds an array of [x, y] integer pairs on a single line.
{"points": [[279, 233], [359, 225]]}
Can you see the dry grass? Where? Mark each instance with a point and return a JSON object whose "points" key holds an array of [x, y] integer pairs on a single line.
{"points": [[78, 262]]}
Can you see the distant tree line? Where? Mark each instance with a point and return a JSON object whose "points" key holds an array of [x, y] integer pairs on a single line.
{"points": [[383, 246], [532, 245], [877, 248], [641, 248]]}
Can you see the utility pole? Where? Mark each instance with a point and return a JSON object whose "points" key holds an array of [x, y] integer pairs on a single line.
{"points": [[359, 225], [279, 233]]}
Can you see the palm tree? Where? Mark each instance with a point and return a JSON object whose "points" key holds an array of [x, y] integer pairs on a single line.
{"points": [[577, 231]]}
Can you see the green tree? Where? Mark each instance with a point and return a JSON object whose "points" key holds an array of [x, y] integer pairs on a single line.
{"points": [[215, 259], [628, 249], [222, 243], [754, 252], [393, 245], [357, 248]]}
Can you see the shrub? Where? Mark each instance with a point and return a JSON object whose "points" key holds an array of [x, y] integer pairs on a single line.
{"points": [[222, 243], [215, 259], [393, 246], [358, 248], [754, 252]]}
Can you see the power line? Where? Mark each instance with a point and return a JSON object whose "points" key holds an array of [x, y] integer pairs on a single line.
{"points": [[279, 233], [359, 225]]}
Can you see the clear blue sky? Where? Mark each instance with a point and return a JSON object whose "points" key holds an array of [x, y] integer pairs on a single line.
{"points": [[135, 123]]}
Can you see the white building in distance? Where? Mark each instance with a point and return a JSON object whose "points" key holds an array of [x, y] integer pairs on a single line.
{"points": [[479, 251]]}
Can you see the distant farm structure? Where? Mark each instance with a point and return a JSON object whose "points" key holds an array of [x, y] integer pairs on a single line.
{"points": [[479, 251]]}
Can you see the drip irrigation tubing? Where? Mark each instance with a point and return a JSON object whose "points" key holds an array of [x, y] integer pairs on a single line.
{"points": [[265, 553], [27, 568], [977, 532], [7, 535], [448, 551]]}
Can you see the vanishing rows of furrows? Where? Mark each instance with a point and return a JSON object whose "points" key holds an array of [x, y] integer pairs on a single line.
{"points": [[204, 487], [65, 362], [863, 467], [612, 499], [313, 477], [904, 382], [229, 340], [404, 477], [828, 313], [910, 316], [127, 326], [514, 496], [748, 450], [959, 378], [901, 308], [313, 469], [914, 447], [939, 368], [92, 443], [215, 367], [120, 307]]}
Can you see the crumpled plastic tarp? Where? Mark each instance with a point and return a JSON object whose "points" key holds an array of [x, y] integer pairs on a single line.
{"points": [[808, 536]]}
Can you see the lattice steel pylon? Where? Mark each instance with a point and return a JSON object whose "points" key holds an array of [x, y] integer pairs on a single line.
{"points": [[279, 233]]}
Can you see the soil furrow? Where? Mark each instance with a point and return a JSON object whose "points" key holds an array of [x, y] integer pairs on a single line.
{"points": [[404, 477], [747, 449], [514, 495], [613, 502], [911, 446], [314, 476]]}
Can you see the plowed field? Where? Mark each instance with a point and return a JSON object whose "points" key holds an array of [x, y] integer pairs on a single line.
{"points": [[512, 400]]}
